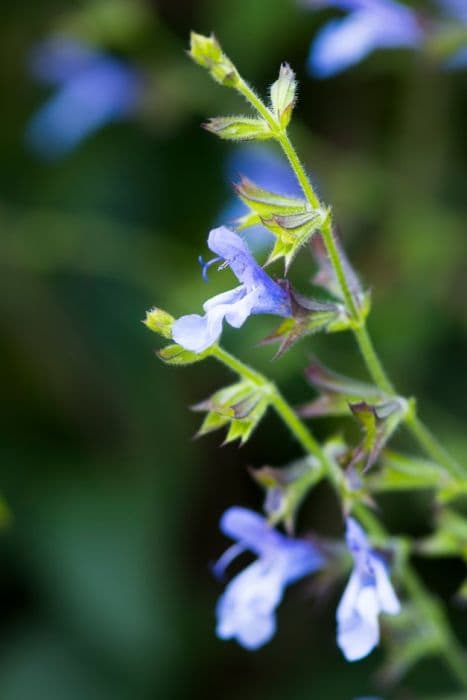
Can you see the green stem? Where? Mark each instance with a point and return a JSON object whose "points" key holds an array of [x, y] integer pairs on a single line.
{"points": [[372, 361], [450, 650], [374, 365]]}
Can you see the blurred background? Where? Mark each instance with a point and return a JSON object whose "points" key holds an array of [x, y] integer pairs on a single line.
{"points": [[111, 509]]}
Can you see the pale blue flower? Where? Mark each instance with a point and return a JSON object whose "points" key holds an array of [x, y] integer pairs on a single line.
{"points": [[246, 610], [93, 89], [257, 294], [369, 25], [368, 593], [456, 11]]}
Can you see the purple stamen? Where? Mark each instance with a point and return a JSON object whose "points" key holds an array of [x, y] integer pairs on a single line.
{"points": [[206, 265]]}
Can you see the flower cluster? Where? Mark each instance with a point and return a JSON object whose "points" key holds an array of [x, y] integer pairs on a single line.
{"points": [[246, 610], [357, 471]]}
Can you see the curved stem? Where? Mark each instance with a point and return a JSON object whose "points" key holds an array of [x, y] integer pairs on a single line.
{"points": [[297, 428]]}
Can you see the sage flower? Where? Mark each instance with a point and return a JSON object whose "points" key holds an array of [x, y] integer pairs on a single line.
{"points": [[93, 89], [369, 25], [246, 610], [257, 294], [368, 593]]}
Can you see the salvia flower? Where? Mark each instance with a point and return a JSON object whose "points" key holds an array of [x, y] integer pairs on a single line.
{"points": [[94, 89], [368, 593], [257, 294], [369, 25], [246, 610]]}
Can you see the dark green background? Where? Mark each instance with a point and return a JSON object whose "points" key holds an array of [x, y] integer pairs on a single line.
{"points": [[105, 585]]}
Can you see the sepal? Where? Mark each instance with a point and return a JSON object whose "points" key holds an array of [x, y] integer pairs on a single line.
{"points": [[286, 487], [325, 276], [159, 321], [206, 51], [266, 203], [309, 317], [378, 422], [283, 95], [399, 472], [239, 128], [292, 231], [177, 355], [336, 392], [240, 407]]}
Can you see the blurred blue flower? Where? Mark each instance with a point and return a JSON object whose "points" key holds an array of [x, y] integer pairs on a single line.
{"points": [[257, 294], [456, 10], [368, 593], [266, 169], [94, 89], [370, 25], [246, 610]]}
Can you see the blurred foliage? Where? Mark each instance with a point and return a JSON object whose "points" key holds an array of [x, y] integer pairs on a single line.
{"points": [[106, 590]]}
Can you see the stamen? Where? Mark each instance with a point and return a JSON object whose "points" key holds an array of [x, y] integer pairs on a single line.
{"points": [[218, 569], [206, 265]]}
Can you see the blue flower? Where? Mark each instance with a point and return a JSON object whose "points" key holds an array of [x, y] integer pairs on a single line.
{"points": [[370, 25], [257, 294], [94, 89], [456, 12], [246, 610], [368, 593]]}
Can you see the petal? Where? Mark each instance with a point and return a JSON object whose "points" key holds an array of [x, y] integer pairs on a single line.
{"points": [[227, 243], [357, 620], [229, 297], [300, 558], [197, 333], [356, 537], [246, 609], [388, 601], [236, 314], [249, 528]]}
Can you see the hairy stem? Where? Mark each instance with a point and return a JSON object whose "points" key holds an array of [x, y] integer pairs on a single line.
{"points": [[297, 428], [374, 365]]}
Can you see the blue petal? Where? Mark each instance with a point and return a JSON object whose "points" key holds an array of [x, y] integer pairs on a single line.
{"points": [[250, 528], [197, 333], [357, 619], [246, 610]]}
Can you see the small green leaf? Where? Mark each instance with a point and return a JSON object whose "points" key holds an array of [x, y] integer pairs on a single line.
{"points": [[239, 128], [283, 95], [176, 355], [378, 423], [160, 322]]}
